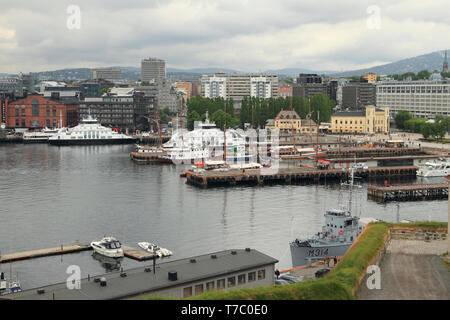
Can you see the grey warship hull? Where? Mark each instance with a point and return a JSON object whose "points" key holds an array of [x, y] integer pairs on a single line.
{"points": [[304, 255]]}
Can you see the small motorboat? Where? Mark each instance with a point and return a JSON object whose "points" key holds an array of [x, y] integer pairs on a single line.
{"points": [[153, 248], [108, 246]]}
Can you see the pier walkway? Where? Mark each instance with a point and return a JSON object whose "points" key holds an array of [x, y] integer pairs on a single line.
{"points": [[209, 178], [408, 192]]}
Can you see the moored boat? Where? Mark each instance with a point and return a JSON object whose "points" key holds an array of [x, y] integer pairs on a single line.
{"points": [[109, 247]]}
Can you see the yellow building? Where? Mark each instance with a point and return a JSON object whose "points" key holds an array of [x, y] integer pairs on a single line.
{"points": [[370, 120], [370, 77], [286, 120]]}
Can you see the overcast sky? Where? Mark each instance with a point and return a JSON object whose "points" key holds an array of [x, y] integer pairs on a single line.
{"points": [[244, 35]]}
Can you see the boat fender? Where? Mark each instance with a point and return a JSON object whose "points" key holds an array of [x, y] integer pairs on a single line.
{"points": [[341, 232]]}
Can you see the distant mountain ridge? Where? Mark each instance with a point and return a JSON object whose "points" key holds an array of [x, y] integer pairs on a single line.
{"points": [[430, 61]]}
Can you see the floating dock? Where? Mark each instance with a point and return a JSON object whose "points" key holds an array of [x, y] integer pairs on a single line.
{"points": [[205, 179], [137, 254], [408, 192], [129, 252], [364, 152]]}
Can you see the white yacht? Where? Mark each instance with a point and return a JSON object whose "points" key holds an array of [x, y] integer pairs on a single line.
{"points": [[206, 141], [39, 136], [89, 132], [439, 168], [153, 248], [108, 246]]}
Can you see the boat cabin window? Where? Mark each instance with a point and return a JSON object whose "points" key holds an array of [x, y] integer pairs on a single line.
{"points": [[348, 223]]}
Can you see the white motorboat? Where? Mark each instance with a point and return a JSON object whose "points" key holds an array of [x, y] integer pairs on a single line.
{"points": [[440, 168], [108, 246], [153, 248], [39, 136]]}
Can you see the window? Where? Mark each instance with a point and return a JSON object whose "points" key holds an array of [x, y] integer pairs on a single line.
{"points": [[210, 286], [47, 123], [23, 123], [54, 111], [251, 276], [199, 289], [17, 112], [221, 284], [17, 122], [35, 108], [231, 281], [241, 279], [261, 274], [187, 292]]}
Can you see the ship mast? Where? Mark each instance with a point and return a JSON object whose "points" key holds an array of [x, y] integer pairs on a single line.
{"points": [[317, 137], [292, 122], [310, 132], [159, 128]]}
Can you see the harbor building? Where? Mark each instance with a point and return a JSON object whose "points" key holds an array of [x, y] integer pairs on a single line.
{"points": [[178, 279], [422, 99], [286, 120], [370, 120], [107, 74], [358, 93], [153, 70], [36, 111]]}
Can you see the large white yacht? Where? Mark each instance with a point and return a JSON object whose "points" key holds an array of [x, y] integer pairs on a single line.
{"points": [[439, 168], [108, 246], [206, 141], [89, 131]]}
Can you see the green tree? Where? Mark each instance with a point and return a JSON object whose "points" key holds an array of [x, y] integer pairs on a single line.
{"points": [[401, 117], [219, 117], [191, 117], [423, 74]]}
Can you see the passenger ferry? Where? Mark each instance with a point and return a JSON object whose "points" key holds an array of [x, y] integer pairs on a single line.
{"points": [[89, 132]]}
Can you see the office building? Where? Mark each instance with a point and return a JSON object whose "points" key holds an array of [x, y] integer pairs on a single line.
{"points": [[369, 120], [153, 70], [358, 93], [423, 99], [107, 74]]}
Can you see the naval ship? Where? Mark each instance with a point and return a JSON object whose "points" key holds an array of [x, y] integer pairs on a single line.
{"points": [[340, 230]]}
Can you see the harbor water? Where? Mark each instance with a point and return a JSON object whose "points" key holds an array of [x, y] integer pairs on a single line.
{"points": [[60, 195]]}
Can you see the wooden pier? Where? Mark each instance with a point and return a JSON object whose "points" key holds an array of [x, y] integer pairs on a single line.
{"points": [[129, 252], [408, 192], [205, 179], [364, 152], [25, 255]]}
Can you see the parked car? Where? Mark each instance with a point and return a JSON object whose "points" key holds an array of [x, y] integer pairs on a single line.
{"points": [[290, 278], [320, 273], [281, 281]]}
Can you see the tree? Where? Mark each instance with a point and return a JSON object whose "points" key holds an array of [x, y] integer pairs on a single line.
{"points": [[219, 118], [191, 117], [423, 74], [401, 117]]}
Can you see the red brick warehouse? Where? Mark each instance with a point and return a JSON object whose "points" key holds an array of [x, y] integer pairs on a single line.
{"points": [[35, 112]]}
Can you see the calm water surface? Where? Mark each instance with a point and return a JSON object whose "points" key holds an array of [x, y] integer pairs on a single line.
{"points": [[59, 195]]}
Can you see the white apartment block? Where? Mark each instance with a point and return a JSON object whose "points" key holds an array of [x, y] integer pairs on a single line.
{"points": [[107, 74], [237, 86], [260, 87], [153, 70], [423, 99], [214, 87]]}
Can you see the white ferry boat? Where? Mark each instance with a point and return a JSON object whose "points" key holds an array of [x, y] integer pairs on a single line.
{"points": [[89, 132], [439, 168]]}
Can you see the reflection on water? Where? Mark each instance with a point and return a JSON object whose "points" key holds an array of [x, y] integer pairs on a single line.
{"points": [[59, 195], [108, 263]]}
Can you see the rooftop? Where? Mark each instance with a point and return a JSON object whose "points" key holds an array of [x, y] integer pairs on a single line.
{"points": [[138, 281]]}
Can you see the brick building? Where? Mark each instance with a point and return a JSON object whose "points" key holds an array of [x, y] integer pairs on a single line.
{"points": [[36, 111]]}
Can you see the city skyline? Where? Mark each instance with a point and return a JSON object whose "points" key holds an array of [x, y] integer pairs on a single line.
{"points": [[246, 36]]}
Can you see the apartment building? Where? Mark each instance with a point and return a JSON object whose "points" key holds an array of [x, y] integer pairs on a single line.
{"points": [[423, 99], [237, 86]]}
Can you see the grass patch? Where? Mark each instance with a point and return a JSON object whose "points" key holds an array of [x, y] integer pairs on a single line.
{"points": [[421, 225]]}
